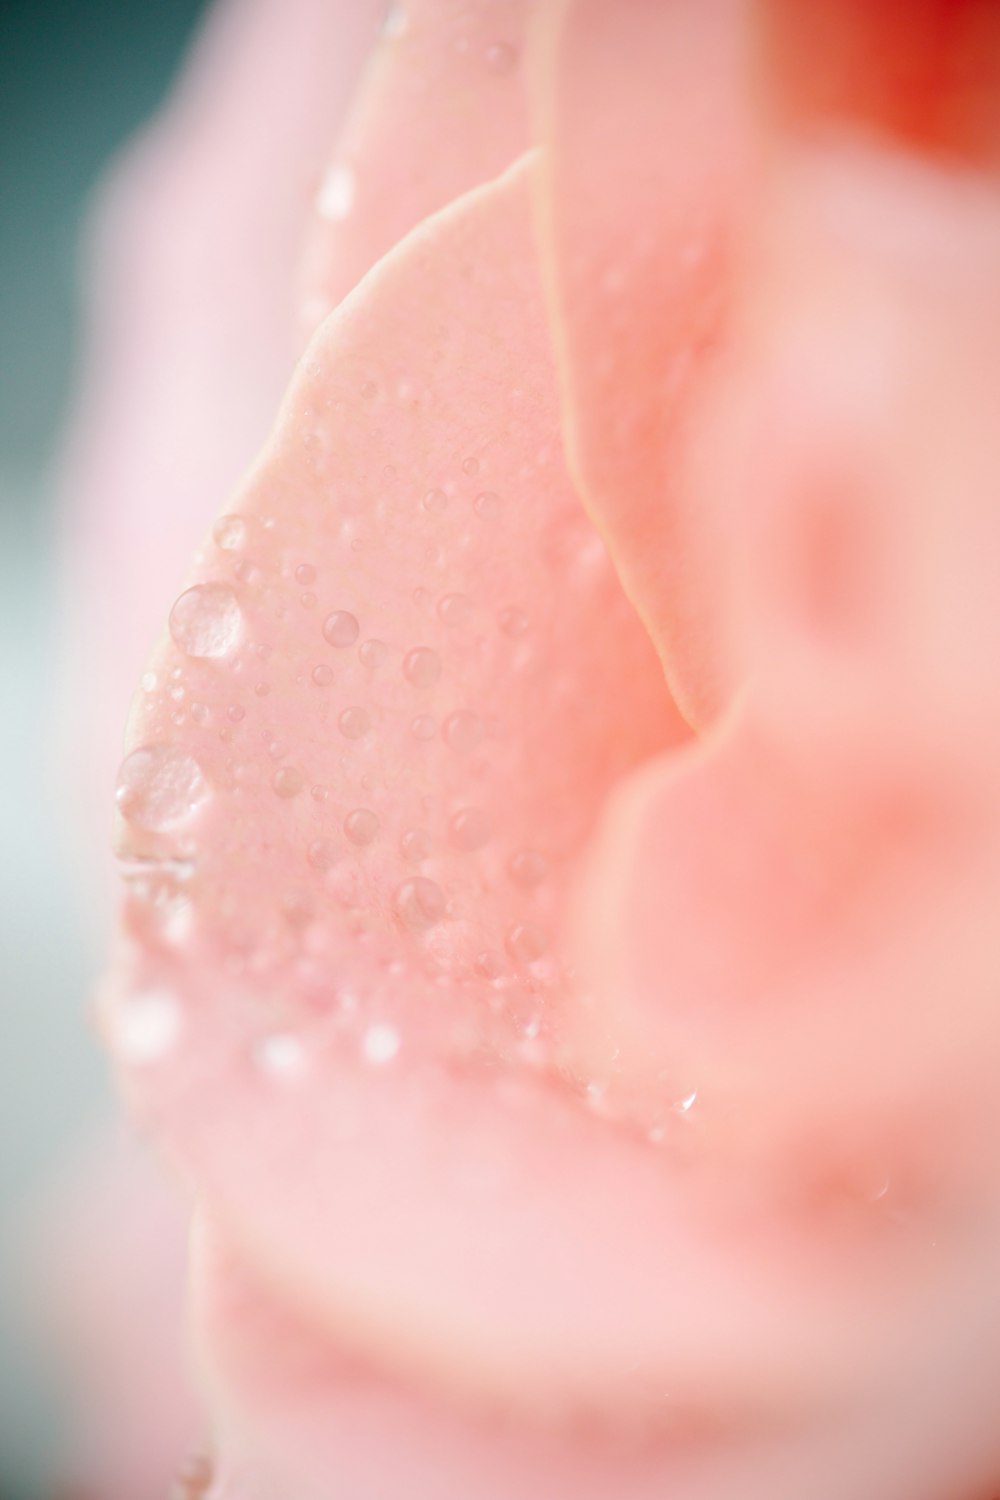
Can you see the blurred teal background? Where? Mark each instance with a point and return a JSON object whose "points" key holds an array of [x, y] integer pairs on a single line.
{"points": [[76, 79]]}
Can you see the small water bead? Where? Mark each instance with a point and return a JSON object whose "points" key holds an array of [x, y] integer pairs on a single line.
{"points": [[455, 609], [322, 854], [335, 198], [501, 58], [470, 466], [158, 785], [372, 653], [513, 622], [488, 506], [361, 826], [305, 574], [353, 723], [528, 868], [469, 829], [322, 675], [236, 713], [380, 1044], [246, 572], [419, 903], [262, 689], [206, 621], [525, 942], [422, 597], [146, 1026], [434, 502], [308, 601], [422, 666], [416, 845], [423, 727], [287, 781], [463, 731], [230, 533]]}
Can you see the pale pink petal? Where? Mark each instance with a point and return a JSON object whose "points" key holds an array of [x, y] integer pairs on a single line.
{"points": [[441, 110], [197, 237]]}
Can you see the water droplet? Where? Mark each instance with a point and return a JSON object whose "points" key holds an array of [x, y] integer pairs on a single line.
{"points": [[353, 723], [158, 785], [488, 506], [513, 622], [305, 574], [322, 675], [469, 829], [380, 1044], [262, 689], [230, 533], [335, 198], [501, 58], [287, 781], [416, 845], [525, 942], [149, 682], [419, 903], [361, 826], [280, 1055], [372, 653], [341, 628], [423, 727], [146, 1026], [528, 868], [422, 666], [685, 1105], [455, 609], [470, 466], [434, 502], [308, 601], [322, 854], [463, 731], [206, 620], [235, 713]]}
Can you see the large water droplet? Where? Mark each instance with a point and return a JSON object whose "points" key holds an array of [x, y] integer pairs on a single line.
{"points": [[419, 903], [469, 829], [422, 666], [528, 868], [361, 826], [353, 723], [287, 781], [463, 731], [206, 620], [341, 628], [158, 786]]}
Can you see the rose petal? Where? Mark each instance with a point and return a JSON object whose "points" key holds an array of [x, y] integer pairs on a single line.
{"points": [[441, 110], [649, 143], [197, 237]]}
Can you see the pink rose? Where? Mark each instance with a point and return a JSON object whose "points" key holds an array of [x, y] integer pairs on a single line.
{"points": [[560, 821]]}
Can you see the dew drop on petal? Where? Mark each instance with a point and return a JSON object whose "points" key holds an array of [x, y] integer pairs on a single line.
{"points": [[525, 942], [487, 506], [419, 903], [322, 675], [469, 829], [206, 620], [422, 666], [528, 868], [361, 826], [287, 781], [455, 609], [341, 628], [416, 845], [322, 854], [372, 653], [305, 574], [463, 731], [423, 727], [230, 533], [353, 723], [158, 786], [434, 502]]}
